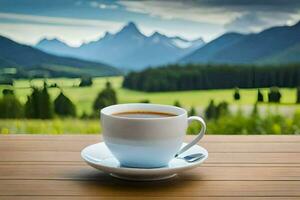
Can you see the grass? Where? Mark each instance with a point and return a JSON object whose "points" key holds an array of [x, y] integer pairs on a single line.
{"points": [[55, 126], [84, 96]]}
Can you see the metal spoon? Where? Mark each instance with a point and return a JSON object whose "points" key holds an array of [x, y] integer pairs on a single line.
{"points": [[192, 157]]}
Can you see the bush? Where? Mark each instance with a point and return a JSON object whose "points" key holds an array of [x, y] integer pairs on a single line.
{"points": [[177, 103], [253, 124], [236, 94], [105, 98], [260, 96], [274, 95], [86, 81], [10, 107], [7, 92], [145, 101], [63, 106]]}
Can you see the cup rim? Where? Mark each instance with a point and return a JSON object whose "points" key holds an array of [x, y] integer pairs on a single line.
{"points": [[105, 111]]}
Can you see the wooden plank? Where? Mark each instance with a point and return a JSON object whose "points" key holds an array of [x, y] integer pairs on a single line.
{"points": [[205, 164], [67, 145], [138, 198], [55, 156], [207, 138], [85, 172], [170, 188]]}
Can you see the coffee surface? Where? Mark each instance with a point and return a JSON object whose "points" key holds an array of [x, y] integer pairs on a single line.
{"points": [[143, 114]]}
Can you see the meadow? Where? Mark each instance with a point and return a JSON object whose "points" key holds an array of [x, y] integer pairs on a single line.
{"points": [[83, 98]]}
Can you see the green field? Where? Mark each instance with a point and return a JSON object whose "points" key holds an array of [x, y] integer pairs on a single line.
{"points": [[84, 96]]}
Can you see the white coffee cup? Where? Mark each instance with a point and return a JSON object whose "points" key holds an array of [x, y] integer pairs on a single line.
{"points": [[146, 142]]}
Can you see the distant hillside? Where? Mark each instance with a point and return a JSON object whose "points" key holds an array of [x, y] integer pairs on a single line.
{"points": [[208, 51], [274, 45], [35, 62], [127, 49]]}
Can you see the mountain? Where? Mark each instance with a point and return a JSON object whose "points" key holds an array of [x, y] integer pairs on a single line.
{"points": [[208, 51], [54, 46], [273, 45], [33, 62], [128, 48]]}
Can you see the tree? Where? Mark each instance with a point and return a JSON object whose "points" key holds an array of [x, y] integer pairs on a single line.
{"points": [[63, 106], [39, 104], [298, 95], [105, 98], [260, 96], [10, 107], [46, 106], [211, 110], [274, 95], [236, 94], [177, 104], [192, 111], [86, 81]]}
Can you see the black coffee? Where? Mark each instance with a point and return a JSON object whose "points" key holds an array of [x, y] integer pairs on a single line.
{"points": [[143, 114]]}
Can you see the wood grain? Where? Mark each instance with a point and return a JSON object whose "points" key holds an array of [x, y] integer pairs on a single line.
{"points": [[170, 188], [214, 147], [239, 167], [84, 172], [207, 138], [49, 156], [139, 198]]}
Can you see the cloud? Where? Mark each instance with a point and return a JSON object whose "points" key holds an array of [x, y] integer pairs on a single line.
{"points": [[185, 10], [258, 21], [234, 15], [96, 4], [59, 20], [31, 28]]}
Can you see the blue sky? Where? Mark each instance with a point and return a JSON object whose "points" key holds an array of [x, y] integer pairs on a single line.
{"points": [[77, 21]]}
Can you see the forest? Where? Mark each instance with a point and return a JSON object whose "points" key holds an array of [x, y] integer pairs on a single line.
{"points": [[198, 77]]}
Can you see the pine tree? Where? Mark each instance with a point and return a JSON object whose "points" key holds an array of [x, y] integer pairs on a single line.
{"points": [[236, 94], [63, 106], [211, 110], [105, 98], [260, 96], [39, 104], [274, 95], [46, 107]]}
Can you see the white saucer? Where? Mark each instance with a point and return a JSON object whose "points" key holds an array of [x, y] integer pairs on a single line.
{"points": [[99, 157]]}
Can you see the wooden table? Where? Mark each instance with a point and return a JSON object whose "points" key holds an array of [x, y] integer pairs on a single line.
{"points": [[34, 167]]}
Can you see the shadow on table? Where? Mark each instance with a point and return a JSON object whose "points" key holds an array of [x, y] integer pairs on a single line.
{"points": [[93, 178]]}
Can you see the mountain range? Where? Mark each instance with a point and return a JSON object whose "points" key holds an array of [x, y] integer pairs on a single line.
{"points": [[129, 49], [275, 45], [126, 49], [33, 62]]}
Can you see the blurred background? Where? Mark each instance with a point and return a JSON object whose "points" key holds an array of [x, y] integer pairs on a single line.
{"points": [[235, 62]]}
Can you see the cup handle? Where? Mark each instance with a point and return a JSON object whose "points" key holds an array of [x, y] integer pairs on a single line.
{"points": [[199, 136]]}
